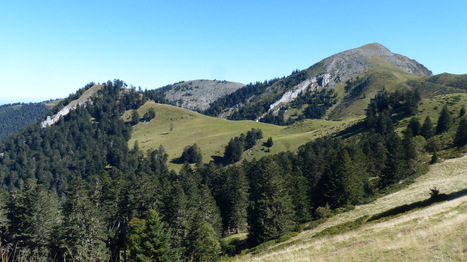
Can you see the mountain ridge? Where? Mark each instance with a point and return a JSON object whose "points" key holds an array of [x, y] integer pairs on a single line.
{"points": [[332, 72]]}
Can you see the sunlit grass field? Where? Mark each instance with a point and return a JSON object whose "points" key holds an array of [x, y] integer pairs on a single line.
{"points": [[175, 128]]}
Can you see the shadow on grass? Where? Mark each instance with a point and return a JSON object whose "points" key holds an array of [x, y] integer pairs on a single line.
{"points": [[416, 205], [352, 130], [177, 160], [218, 160]]}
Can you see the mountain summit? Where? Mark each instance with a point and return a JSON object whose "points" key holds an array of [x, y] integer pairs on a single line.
{"points": [[355, 74], [343, 66]]}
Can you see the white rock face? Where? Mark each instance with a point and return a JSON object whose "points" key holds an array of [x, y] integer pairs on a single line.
{"points": [[65, 111], [305, 86], [51, 121]]}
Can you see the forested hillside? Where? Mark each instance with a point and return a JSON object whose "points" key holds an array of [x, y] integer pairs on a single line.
{"points": [[13, 117], [75, 191]]}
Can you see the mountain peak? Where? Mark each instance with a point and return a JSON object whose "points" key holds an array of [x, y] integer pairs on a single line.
{"points": [[374, 47], [344, 65]]}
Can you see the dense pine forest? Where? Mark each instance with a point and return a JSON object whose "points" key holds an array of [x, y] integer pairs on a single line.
{"points": [[75, 191], [13, 117]]}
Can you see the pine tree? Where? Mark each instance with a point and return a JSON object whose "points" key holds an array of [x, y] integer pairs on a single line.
{"points": [[270, 213], [395, 168], [462, 111], [444, 120], [342, 185], [236, 198], [3, 213], [269, 143], [135, 117], [233, 150], [427, 130], [415, 126], [33, 215], [460, 139], [149, 240], [202, 242], [192, 154], [175, 213], [83, 235]]}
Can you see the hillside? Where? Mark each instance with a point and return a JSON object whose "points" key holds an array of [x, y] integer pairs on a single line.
{"points": [[356, 75], [13, 117], [436, 232], [212, 134], [196, 95]]}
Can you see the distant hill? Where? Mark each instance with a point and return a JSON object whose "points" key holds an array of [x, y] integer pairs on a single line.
{"points": [[15, 116], [197, 95]]}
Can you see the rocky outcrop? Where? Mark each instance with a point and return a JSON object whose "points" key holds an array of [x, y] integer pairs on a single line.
{"points": [[343, 66], [83, 100], [199, 94]]}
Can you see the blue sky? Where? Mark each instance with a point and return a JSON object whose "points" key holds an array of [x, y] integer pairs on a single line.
{"points": [[49, 49]]}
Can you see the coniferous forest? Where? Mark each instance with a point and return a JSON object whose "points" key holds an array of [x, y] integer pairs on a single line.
{"points": [[76, 192]]}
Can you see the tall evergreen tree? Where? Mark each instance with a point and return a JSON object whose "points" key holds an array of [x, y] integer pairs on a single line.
{"points": [[149, 240], [270, 212], [192, 154], [202, 242], [176, 214], [342, 185], [33, 216], [135, 117], [415, 126], [3, 213], [83, 235], [427, 130], [233, 150], [237, 199], [460, 139], [444, 120]]}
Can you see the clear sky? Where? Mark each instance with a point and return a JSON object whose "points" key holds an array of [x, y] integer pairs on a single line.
{"points": [[49, 49]]}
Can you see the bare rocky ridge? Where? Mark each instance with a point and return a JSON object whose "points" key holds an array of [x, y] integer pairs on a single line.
{"points": [[199, 94]]}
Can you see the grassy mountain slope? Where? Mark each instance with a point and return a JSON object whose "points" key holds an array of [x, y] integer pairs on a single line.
{"points": [[356, 93], [212, 134], [436, 232]]}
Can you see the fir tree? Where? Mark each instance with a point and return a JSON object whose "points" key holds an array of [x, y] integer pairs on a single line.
{"points": [[134, 117], [460, 139], [202, 242], [444, 120], [149, 240], [415, 126], [270, 213], [462, 111], [427, 130], [83, 231], [33, 216]]}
